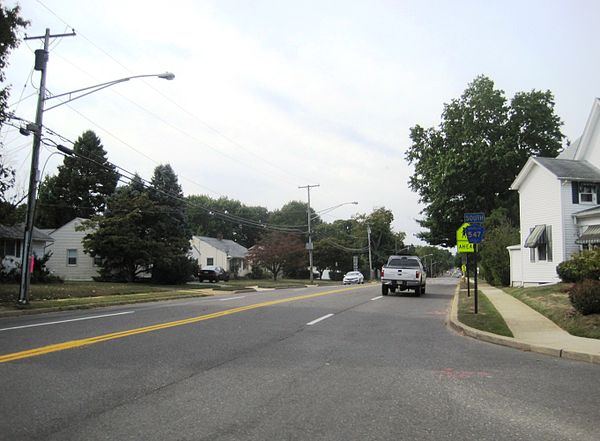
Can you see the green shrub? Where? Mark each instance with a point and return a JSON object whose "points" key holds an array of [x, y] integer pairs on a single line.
{"points": [[582, 266], [585, 297]]}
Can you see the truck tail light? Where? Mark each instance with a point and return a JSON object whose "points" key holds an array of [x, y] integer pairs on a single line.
{"points": [[418, 274], [382, 270]]}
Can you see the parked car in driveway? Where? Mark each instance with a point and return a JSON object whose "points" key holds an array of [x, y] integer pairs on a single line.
{"points": [[353, 277], [213, 273]]}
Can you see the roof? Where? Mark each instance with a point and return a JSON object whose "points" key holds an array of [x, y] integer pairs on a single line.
{"points": [[571, 150], [587, 213], [566, 169], [231, 248], [570, 169], [17, 232]]}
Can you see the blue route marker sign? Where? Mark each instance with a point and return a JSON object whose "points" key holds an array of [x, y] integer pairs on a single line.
{"points": [[474, 233]]}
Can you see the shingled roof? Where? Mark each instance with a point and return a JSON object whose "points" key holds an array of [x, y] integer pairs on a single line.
{"points": [[17, 231], [570, 169]]}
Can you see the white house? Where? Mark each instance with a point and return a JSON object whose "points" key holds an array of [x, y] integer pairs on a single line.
{"points": [[559, 207], [68, 260], [220, 252], [11, 244]]}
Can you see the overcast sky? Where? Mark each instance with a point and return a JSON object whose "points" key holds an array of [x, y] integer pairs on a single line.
{"points": [[272, 95]]}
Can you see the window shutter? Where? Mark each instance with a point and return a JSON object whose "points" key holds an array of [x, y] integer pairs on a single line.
{"points": [[549, 242], [575, 188], [531, 250], [598, 194]]}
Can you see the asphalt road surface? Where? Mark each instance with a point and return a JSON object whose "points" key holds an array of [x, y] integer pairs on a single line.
{"points": [[329, 363]]}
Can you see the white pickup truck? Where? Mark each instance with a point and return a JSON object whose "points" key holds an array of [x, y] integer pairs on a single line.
{"points": [[402, 273]]}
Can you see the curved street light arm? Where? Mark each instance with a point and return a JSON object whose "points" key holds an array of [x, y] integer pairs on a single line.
{"points": [[92, 89]]}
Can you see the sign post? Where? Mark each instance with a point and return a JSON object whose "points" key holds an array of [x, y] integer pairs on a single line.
{"points": [[463, 246], [475, 235]]}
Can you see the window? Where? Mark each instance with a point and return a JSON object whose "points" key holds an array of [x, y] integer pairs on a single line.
{"points": [[587, 193], [71, 257], [11, 247], [97, 261], [210, 261]]}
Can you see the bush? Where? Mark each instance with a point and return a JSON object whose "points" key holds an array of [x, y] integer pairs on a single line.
{"points": [[582, 266], [174, 271], [257, 273], [585, 297]]}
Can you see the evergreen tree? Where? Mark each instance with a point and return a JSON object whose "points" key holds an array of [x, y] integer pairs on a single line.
{"points": [[169, 231], [121, 236], [81, 187]]}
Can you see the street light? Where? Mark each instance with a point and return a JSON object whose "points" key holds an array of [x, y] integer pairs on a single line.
{"points": [[91, 89], [41, 61], [330, 209]]}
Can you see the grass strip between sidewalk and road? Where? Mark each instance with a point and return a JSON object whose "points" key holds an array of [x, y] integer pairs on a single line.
{"points": [[82, 295], [487, 319]]}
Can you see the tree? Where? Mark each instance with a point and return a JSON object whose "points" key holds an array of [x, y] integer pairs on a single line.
{"points": [[384, 241], [121, 236], [499, 234], [469, 162], [435, 260], [294, 214], [218, 217], [277, 251], [10, 23], [81, 187], [169, 231]]}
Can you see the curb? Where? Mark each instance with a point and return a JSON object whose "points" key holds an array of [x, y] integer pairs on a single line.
{"points": [[463, 329]]}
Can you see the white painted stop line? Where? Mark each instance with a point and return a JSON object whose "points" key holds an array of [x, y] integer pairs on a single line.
{"points": [[377, 298]]}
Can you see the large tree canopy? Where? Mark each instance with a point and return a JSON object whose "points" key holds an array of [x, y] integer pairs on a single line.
{"points": [[82, 186], [468, 163]]}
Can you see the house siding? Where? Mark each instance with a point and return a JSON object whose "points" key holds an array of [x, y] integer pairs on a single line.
{"points": [[66, 238], [540, 203], [571, 230], [202, 251]]}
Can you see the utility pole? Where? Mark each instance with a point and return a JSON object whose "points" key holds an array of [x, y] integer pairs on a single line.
{"points": [[309, 245], [370, 260], [41, 62]]}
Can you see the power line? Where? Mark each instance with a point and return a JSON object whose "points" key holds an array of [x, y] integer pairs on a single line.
{"points": [[172, 101]]}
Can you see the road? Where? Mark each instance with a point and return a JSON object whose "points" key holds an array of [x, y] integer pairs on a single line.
{"points": [[328, 363]]}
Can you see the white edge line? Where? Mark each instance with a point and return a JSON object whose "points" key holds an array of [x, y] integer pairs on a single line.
{"points": [[67, 321], [377, 298], [319, 319], [232, 298]]}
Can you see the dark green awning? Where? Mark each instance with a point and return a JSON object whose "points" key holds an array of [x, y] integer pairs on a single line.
{"points": [[590, 235], [536, 237]]}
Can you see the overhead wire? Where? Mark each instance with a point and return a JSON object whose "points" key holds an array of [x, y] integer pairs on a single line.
{"points": [[171, 100], [211, 211]]}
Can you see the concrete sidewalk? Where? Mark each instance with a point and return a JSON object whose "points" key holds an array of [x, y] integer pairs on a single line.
{"points": [[532, 331]]}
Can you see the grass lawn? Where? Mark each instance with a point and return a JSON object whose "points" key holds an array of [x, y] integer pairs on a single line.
{"points": [[487, 319], [88, 294], [553, 302]]}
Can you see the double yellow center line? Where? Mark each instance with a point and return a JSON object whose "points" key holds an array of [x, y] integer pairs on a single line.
{"points": [[116, 335]]}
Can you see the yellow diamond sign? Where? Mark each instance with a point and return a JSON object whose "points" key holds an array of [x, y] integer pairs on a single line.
{"points": [[462, 243]]}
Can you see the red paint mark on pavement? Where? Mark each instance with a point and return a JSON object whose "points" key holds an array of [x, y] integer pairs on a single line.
{"points": [[461, 375]]}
